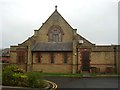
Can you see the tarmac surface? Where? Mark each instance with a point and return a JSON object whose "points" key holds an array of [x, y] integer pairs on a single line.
{"points": [[62, 82], [65, 83]]}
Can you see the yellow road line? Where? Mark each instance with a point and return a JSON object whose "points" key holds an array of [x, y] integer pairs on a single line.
{"points": [[54, 85]]}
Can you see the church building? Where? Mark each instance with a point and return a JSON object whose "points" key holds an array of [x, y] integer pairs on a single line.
{"points": [[56, 47]]}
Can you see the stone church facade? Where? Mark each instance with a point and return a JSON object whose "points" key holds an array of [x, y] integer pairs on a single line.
{"points": [[57, 48]]}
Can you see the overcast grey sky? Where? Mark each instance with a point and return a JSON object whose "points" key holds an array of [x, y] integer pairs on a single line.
{"points": [[96, 20]]}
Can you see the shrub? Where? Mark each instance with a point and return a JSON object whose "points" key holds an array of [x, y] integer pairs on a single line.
{"points": [[10, 68], [42, 84], [35, 79], [20, 79], [13, 76], [7, 75]]}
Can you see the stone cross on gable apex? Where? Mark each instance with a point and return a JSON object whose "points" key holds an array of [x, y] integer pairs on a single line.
{"points": [[56, 7]]}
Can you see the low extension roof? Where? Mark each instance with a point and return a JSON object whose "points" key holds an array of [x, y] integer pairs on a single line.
{"points": [[52, 47]]}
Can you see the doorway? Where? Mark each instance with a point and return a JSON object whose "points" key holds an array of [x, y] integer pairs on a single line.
{"points": [[85, 55]]}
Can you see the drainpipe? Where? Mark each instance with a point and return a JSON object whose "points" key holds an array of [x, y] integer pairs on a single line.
{"points": [[114, 58], [27, 60], [77, 59], [32, 61]]}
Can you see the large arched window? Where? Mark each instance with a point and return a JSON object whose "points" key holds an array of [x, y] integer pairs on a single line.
{"points": [[55, 34]]}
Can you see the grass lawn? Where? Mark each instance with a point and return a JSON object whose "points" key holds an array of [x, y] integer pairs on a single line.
{"points": [[79, 75]]}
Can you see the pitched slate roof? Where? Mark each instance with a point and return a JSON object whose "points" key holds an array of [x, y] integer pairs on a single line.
{"points": [[5, 52], [52, 47]]}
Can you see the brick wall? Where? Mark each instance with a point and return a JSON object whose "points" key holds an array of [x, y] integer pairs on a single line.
{"points": [[45, 64]]}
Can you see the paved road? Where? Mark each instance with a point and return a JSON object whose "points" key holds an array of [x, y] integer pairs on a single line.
{"points": [[81, 83], [85, 82]]}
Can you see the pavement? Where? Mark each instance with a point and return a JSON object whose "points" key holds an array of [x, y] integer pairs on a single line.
{"points": [[101, 75]]}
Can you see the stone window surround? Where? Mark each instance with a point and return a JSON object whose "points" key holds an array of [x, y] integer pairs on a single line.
{"points": [[55, 34]]}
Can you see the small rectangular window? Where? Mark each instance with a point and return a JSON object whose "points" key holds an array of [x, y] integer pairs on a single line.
{"points": [[39, 57], [65, 57], [52, 57]]}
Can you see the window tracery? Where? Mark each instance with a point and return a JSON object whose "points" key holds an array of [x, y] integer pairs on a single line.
{"points": [[55, 34]]}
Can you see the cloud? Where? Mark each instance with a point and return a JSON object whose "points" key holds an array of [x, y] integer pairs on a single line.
{"points": [[95, 19]]}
